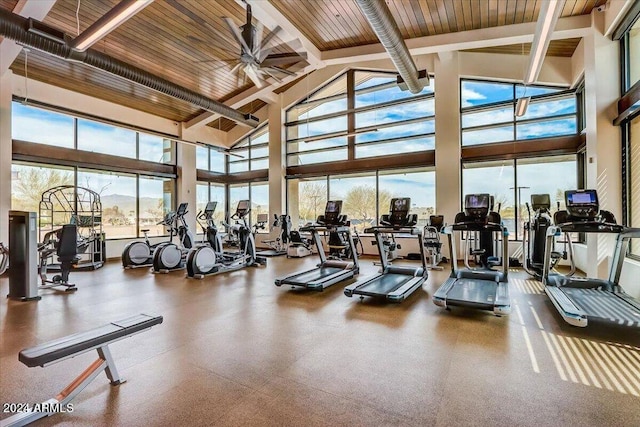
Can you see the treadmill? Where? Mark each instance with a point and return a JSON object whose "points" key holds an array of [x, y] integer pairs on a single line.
{"points": [[580, 300], [395, 283], [329, 271], [482, 287]]}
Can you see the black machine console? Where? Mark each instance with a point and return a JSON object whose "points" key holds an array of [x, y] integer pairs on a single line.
{"points": [[582, 204], [477, 206], [182, 209], [399, 214], [210, 209], [242, 209], [583, 214], [540, 202], [332, 214]]}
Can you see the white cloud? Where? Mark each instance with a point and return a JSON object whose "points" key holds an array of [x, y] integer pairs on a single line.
{"points": [[470, 95]]}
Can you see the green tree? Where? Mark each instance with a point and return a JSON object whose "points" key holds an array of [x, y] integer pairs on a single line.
{"points": [[30, 183], [312, 198], [360, 204]]}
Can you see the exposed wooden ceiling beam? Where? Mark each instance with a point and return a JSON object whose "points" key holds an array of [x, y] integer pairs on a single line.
{"points": [[570, 27], [36, 9]]}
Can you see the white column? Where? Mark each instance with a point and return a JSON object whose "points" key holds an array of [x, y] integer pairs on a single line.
{"points": [[5, 154], [187, 178], [602, 89], [277, 161], [447, 100]]}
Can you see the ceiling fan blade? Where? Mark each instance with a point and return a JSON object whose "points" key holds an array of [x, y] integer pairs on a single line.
{"points": [[269, 36], [282, 70], [281, 59], [236, 68], [257, 43], [267, 72], [252, 73], [236, 34]]}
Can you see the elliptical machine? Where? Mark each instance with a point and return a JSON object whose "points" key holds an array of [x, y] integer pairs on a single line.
{"points": [[205, 260], [211, 236], [140, 253], [535, 235], [168, 256]]}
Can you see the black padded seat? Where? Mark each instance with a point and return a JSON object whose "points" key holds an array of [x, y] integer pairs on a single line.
{"points": [[81, 342]]}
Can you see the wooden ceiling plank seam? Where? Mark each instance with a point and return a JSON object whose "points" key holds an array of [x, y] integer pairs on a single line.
{"points": [[306, 30], [528, 11], [468, 11], [493, 13], [483, 7], [502, 13], [356, 19], [412, 26], [476, 13], [444, 19], [397, 12], [428, 19], [459, 14], [323, 24], [511, 12], [346, 36], [435, 17], [452, 16], [416, 7]]}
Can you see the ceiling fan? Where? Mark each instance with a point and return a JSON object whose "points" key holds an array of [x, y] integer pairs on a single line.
{"points": [[256, 60]]}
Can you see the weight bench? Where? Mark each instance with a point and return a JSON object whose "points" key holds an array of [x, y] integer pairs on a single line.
{"points": [[71, 346]]}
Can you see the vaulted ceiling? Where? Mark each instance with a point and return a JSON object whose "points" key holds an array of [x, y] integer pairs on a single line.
{"points": [[188, 43]]}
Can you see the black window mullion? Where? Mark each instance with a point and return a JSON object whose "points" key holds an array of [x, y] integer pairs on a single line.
{"points": [[351, 117]]}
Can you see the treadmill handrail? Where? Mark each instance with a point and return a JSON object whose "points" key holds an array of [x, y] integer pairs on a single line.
{"points": [[325, 227], [590, 227], [476, 226], [414, 231]]}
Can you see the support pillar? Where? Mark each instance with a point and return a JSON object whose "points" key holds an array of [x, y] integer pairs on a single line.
{"points": [[448, 151], [187, 177], [603, 162], [5, 154], [277, 162]]}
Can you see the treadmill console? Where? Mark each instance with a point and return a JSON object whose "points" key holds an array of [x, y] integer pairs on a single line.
{"points": [[262, 218], [477, 206], [182, 209], [399, 210], [242, 209], [582, 204], [332, 214], [540, 202]]}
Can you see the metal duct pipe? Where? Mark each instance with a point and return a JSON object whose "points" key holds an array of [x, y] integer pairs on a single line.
{"points": [[14, 27], [385, 27]]}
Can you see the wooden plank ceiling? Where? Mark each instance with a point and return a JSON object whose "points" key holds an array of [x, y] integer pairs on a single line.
{"points": [[188, 43], [335, 24], [564, 48]]}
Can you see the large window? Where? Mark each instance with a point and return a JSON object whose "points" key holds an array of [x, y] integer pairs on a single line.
{"points": [[385, 120], [213, 192], [129, 202], [513, 182], [488, 112], [41, 126], [250, 153], [259, 202], [29, 181], [420, 185], [118, 196], [365, 197], [237, 192], [154, 201], [210, 159], [632, 43], [358, 194]]}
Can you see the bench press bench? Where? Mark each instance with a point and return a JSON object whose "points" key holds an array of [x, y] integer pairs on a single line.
{"points": [[71, 346]]}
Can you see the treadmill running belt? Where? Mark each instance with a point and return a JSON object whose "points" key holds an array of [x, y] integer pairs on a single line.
{"points": [[313, 275], [473, 291], [604, 305], [384, 284]]}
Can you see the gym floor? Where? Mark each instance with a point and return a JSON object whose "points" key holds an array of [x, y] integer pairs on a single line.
{"points": [[236, 350]]}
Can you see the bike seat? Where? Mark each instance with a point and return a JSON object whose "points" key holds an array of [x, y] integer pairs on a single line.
{"points": [[477, 251], [556, 255], [144, 230]]}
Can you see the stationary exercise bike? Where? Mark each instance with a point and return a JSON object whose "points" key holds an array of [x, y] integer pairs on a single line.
{"points": [[62, 242], [140, 253], [170, 256], [205, 260], [535, 236]]}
